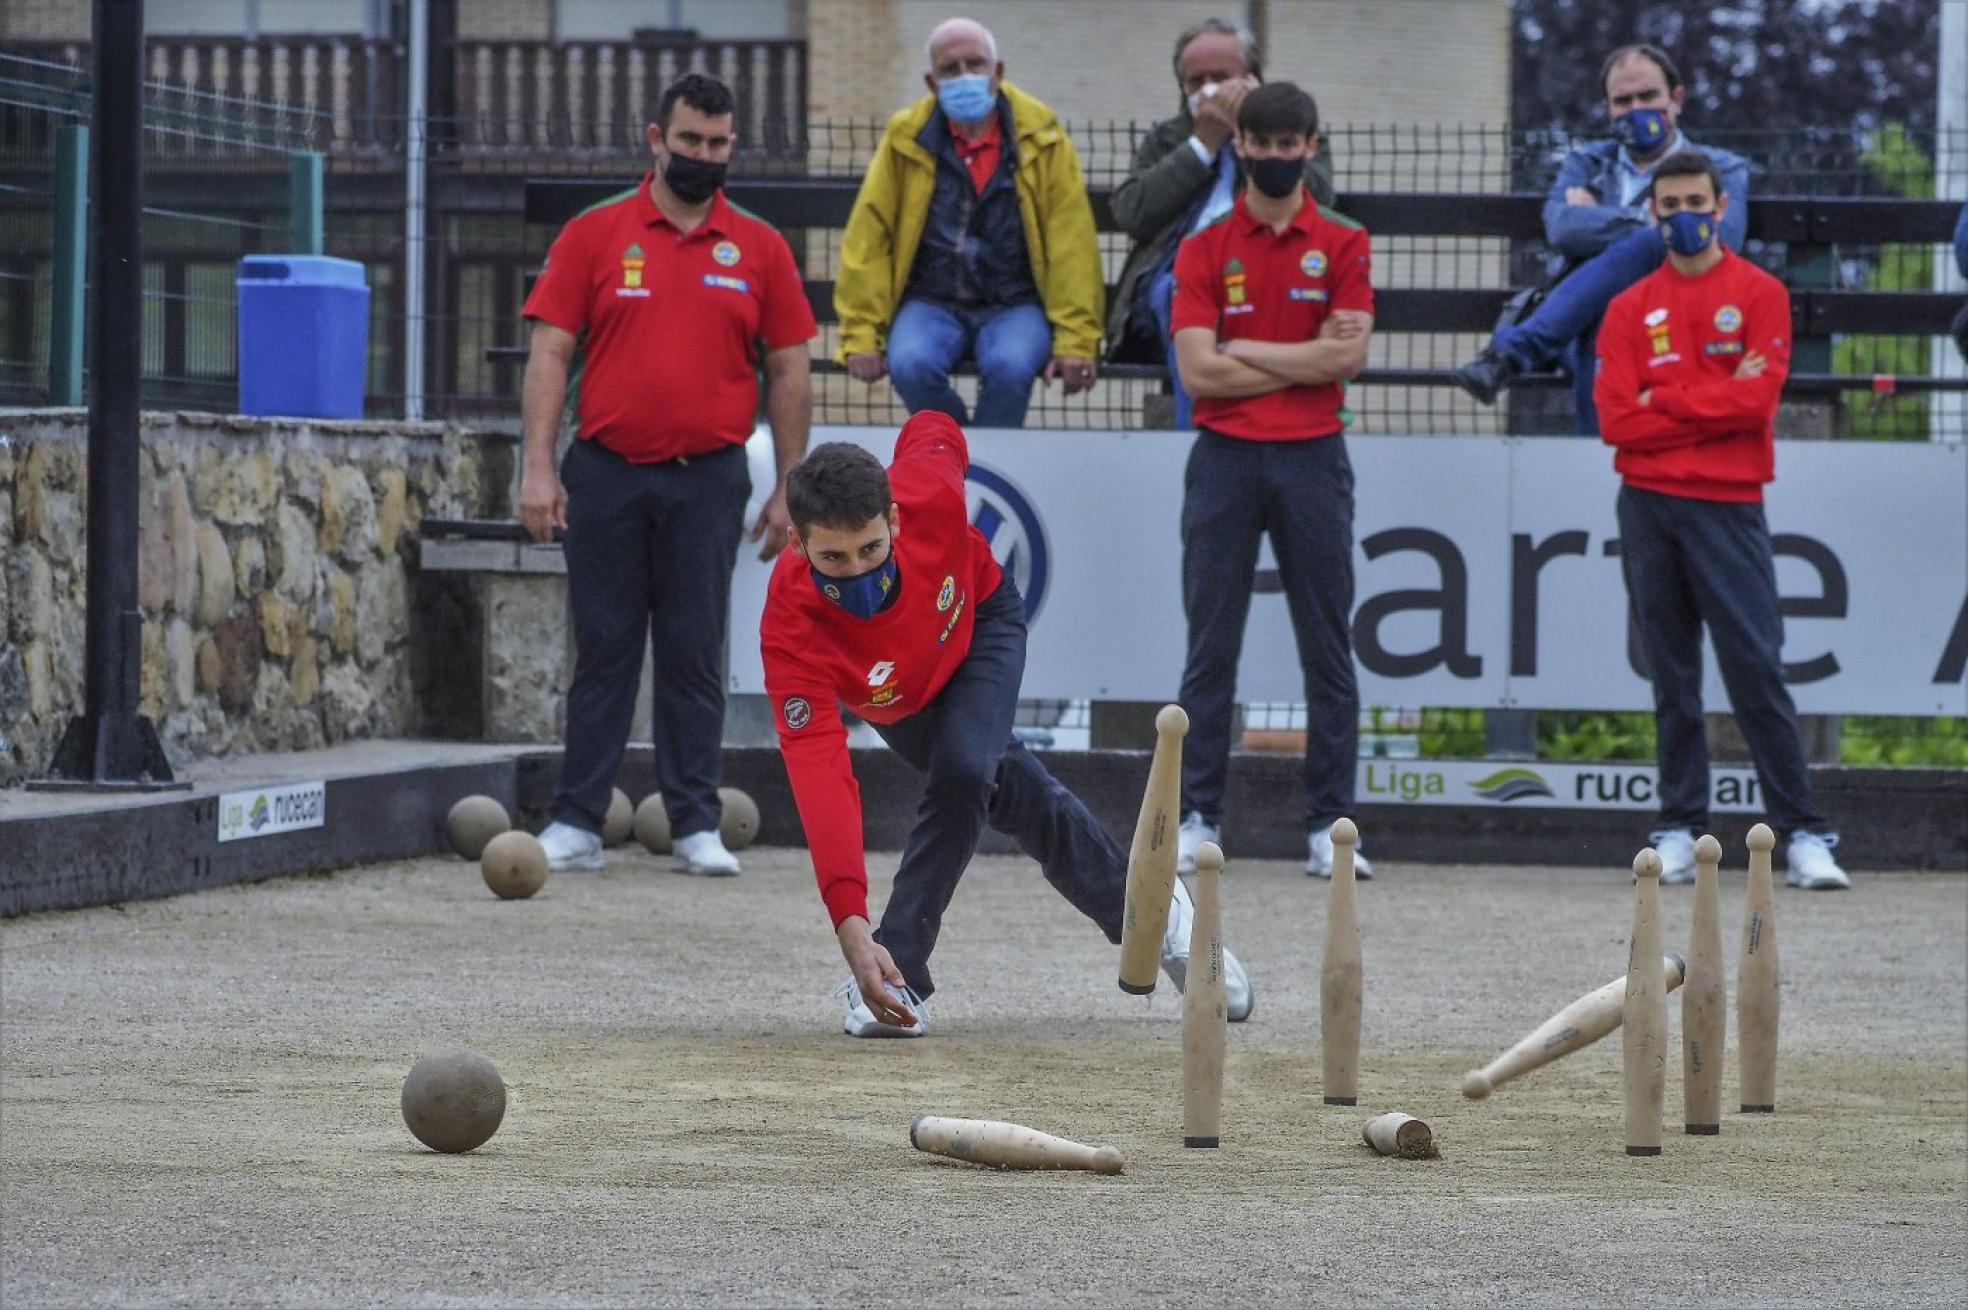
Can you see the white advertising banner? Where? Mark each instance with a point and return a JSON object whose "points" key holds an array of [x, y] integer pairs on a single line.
{"points": [[1486, 572], [1542, 786], [286, 808]]}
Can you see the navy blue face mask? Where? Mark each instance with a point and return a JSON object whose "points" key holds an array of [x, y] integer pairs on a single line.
{"points": [[1641, 130], [1687, 233], [865, 594]]}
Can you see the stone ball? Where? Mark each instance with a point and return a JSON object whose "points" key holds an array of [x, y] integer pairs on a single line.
{"points": [[652, 824], [514, 865], [739, 824], [453, 1100], [473, 822], [620, 823]]}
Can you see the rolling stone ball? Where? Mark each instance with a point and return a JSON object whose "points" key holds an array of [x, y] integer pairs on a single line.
{"points": [[740, 821], [652, 825], [514, 865], [453, 1100], [620, 823], [473, 822]]}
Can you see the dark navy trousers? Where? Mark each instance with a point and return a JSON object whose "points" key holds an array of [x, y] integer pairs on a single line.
{"points": [[978, 772], [1693, 562], [1301, 492], [649, 551]]}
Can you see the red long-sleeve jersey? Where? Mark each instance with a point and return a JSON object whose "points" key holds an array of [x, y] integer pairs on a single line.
{"points": [[1703, 433], [818, 656]]}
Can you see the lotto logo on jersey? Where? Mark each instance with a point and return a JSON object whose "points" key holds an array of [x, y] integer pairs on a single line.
{"points": [[881, 673], [798, 713]]}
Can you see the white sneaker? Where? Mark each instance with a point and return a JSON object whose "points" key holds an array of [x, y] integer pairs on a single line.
{"points": [[1238, 999], [1676, 847], [569, 847], [1808, 863], [861, 1022], [1189, 839], [703, 854], [1319, 857]]}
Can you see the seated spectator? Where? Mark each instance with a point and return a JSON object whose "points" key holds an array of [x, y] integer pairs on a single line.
{"points": [[1960, 327], [1596, 217], [1186, 174], [972, 237]]}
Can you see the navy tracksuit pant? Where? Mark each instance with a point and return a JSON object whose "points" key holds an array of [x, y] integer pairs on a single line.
{"points": [[1693, 562], [1301, 492], [979, 772], [649, 551]]}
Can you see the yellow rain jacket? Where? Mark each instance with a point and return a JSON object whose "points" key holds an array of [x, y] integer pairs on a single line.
{"points": [[879, 247]]}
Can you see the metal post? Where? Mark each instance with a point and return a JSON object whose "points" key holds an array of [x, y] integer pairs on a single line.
{"points": [[71, 255], [413, 223], [109, 745], [308, 233]]}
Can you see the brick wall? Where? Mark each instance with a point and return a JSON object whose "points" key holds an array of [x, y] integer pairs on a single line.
{"points": [[521, 19], [45, 20]]}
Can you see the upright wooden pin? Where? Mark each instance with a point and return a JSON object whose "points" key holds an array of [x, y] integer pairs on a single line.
{"points": [[1704, 999], [1757, 1001], [1643, 1047], [1205, 1008], [1151, 860], [1340, 978]]}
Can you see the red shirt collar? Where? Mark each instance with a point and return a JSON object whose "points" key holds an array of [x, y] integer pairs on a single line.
{"points": [[986, 140], [717, 221], [1302, 221]]}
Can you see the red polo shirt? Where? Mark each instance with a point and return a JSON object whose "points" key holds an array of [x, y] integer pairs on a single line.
{"points": [[1246, 281], [672, 324], [980, 156]]}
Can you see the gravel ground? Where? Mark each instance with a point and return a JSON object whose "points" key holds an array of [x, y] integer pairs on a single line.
{"points": [[198, 1102]]}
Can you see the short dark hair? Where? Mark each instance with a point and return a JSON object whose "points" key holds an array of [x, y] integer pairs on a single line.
{"points": [[1246, 45], [1687, 163], [700, 91], [1646, 50], [838, 485], [1278, 109]]}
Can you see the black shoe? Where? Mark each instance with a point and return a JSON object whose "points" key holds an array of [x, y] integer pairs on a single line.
{"points": [[1486, 375]]}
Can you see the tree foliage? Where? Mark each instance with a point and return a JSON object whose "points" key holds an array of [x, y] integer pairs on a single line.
{"points": [[1770, 65]]}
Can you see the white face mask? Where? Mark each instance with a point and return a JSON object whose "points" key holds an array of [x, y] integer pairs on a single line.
{"points": [[1196, 100]]}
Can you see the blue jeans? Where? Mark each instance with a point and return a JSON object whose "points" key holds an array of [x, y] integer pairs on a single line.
{"points": [[1161, 297], [1562, 326], [1011, 343]]}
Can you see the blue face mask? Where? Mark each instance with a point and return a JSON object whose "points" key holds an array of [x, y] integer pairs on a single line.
{"points": [[865, 594], [1641, 130], [1688, 234], [966, 98]]}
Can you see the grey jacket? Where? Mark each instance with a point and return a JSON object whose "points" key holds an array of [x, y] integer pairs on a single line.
{"points": [[1165, 179]]}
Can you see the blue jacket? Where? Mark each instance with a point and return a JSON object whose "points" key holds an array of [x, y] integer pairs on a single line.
{"points": [[1581, 231], [1961, 241], [973, 245]]}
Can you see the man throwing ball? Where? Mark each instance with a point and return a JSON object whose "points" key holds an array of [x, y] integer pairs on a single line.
{"points": [[891, 604]]}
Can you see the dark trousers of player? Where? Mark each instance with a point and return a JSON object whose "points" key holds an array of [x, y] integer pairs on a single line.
{"points": [[1301, 492], [1690, 562], [649, 551], [977, 772]]}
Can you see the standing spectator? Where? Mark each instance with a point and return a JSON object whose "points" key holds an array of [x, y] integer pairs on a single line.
{"points": [[1185, 175], [972, 237], [1596, 218], [1692, 361], [1273, 311], [673, 300]]}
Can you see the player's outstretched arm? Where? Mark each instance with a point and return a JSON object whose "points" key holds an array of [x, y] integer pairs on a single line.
{"points": [[873, 966]]}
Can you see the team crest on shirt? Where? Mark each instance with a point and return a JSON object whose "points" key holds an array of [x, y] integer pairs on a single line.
{"points": [[725, 253], [1313, 263], [798, 712], [632, 266], [1728, 319], [946, 595], [1233, 282]]}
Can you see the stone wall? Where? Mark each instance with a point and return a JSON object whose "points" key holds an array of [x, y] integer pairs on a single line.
{"points": [[274, 575]]}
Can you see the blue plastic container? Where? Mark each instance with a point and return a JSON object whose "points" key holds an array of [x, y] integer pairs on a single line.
{"points": [[303, 336]]}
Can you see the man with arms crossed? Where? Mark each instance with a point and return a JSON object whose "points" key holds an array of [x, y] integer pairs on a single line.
{"points": [[1273, 309], [1692, 360], [891, 603]]}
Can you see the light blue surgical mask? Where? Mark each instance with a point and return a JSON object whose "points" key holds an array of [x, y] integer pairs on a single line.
{"points": [[1687, 233], [865, 594], [966, 98]]}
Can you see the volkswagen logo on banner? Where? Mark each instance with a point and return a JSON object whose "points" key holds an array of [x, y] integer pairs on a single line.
{"points": [[1005, 517]]}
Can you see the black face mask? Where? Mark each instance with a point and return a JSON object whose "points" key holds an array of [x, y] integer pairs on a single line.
{"points": [[692, 180], [1276, 177]]}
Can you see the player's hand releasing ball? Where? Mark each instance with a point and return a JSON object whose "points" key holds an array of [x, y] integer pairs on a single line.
{"points": [[872, 966]]}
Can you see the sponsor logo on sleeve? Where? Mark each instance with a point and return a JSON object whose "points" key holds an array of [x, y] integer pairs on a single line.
{"points": [[798, 713], [726, 283]]}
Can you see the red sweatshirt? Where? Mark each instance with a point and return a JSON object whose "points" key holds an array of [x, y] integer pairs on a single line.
{"points": [[885, 668], [1703, 433]]}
